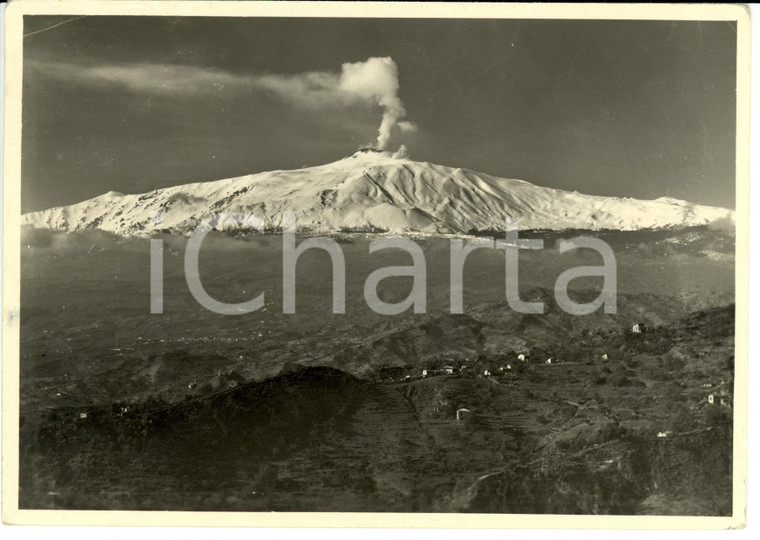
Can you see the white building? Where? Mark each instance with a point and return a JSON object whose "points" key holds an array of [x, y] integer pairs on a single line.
{"points": [[462, 413]]}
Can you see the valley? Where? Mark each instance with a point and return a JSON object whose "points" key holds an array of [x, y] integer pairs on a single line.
{"points": [[189, 410]]}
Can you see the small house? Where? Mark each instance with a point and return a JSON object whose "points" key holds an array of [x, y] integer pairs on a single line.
{"points": [[638, 328], [487, 373], [424, 373], [521, 357], [722, 398], [82, 415], [449, 370], [548, 360], [605, 357], [463, 413], [664, 434]]}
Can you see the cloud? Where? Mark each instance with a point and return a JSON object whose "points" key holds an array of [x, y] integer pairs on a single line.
{"points": [[60, 243], [724, 224], [407, 126], [374, 81], [46, 241]]}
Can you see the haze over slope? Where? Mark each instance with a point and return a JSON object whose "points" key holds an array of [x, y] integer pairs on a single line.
{"points": [[373, 191]]}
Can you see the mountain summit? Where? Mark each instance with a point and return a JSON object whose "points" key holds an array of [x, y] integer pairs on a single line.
{"points": [[374, 191]]}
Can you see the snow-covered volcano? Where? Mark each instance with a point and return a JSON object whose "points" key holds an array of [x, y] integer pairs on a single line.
{"points": [[373, 191]]}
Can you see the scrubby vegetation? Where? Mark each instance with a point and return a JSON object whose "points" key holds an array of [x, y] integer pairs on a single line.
{"points": [[314, 413], [631, 435]]}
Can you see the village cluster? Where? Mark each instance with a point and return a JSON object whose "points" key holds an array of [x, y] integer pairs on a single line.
{"points": [[511, 364], [507, 366]]}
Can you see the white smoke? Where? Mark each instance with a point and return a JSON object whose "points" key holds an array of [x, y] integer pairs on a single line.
{"points": [[401, 153], [377, 78], [374, 80]]}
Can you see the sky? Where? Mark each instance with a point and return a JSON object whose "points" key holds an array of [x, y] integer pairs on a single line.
{"points": [[641, 109]]}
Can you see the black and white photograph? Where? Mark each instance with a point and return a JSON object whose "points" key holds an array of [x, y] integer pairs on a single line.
{"points": [[366, 261]]}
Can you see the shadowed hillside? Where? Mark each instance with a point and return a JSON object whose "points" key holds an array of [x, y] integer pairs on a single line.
{"points": [[619, 426]]}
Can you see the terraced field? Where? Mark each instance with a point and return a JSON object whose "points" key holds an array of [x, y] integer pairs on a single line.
{"points": [[312, 412]]}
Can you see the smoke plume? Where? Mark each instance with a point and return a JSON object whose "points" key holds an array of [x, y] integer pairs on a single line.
{"points": [[377, 78]]}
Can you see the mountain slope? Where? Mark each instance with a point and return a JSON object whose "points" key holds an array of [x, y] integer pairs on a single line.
{"points": [[376, 192]]}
